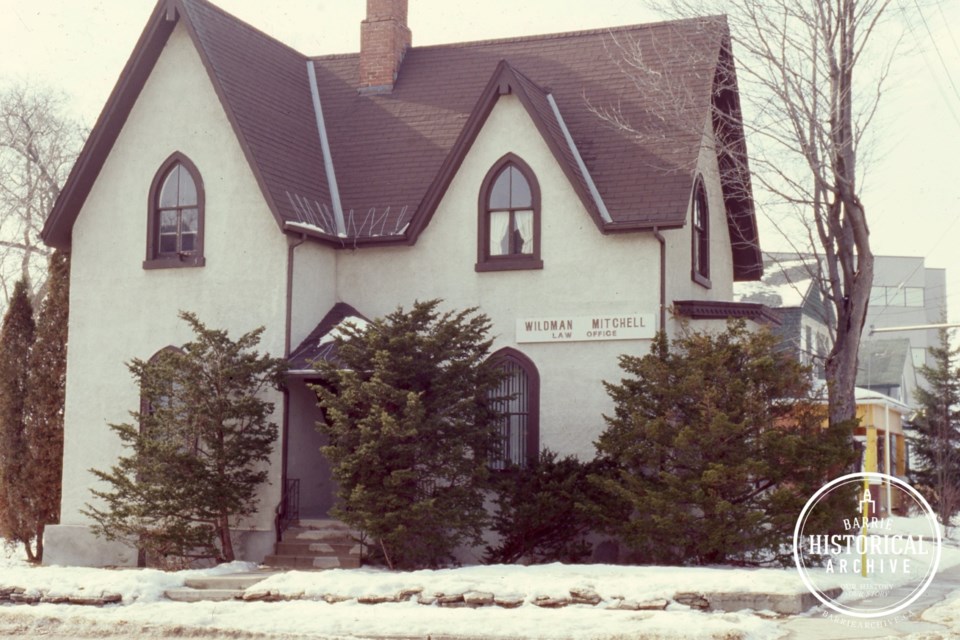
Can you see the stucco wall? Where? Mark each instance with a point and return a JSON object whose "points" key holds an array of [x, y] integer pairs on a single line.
{"points": [[680, 284], [584, 273], [119, 311], [314, 287]]}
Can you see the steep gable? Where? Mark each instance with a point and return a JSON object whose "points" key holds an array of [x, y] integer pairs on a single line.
{"points": [[395, 152], [263, 87]]}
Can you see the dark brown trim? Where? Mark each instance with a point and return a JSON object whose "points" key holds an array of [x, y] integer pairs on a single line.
{"points": [[195, 258], [533, 395], [719, 310], [734, 167], [59, 224], [486, 262], [700, 239]]}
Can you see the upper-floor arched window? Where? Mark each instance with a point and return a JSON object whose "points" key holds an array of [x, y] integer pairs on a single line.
{"points": [[175, 216], [700, 269], [509, 217]]}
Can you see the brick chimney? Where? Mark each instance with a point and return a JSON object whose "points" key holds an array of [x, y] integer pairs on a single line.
{"points": [[384, 38]]}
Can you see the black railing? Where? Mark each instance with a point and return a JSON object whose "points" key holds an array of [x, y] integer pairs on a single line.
{"points": [[289, 508]]}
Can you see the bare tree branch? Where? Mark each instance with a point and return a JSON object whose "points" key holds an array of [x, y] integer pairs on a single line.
{"points": [[38, 144], [807, 121]]}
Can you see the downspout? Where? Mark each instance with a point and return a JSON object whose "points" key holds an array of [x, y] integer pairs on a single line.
{"points": [[663, 277], [292, 244]]}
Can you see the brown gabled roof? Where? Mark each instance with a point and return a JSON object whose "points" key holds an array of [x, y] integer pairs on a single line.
{"points": [[317, 347], [395, 153]]}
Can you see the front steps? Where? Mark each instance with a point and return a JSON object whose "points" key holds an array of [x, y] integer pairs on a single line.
{"points": [[217, 588], [317, 544]]}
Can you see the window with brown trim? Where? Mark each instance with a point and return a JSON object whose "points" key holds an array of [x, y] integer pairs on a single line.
{"points": [[509, 219], [517, 400], [175, 216], [701, 235], [166, 399]]}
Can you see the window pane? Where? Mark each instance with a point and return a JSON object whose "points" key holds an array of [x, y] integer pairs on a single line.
{"points": [[499, 233], [188, 242], [168, 243], [168, 222], [188, 221], [914, 296], [519, 190], [188, 190], [878, 296], [524, 237], [168, 193], [700, 208], [895, 296], [500, 193], [518, 439]]}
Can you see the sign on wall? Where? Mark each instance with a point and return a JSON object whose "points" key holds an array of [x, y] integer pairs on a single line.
{"points": [[627, 326]]}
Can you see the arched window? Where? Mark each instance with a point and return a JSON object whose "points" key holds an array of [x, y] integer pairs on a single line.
{"points": [[175, 218], [701, 235], [161, 401], [509, 220], [518, 401]]}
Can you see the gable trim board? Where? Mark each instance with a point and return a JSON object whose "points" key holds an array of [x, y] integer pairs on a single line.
{"points": [[293, 176]]}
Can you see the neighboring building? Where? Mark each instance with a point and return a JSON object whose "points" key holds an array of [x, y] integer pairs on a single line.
{"points": [[234, 177], [789, 287], [887, 367], [880, 432], [905, 293]]}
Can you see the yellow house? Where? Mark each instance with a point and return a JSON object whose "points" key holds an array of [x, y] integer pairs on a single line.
{"points": [[884, 448]]}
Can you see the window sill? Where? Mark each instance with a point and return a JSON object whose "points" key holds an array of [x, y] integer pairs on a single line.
{"points": [[701, 280], [509, 264], [174, 263]]}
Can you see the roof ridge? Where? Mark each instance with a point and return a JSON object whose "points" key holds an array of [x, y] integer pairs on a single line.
{"points": [[541, 36], [571, 34], [240, 22]]}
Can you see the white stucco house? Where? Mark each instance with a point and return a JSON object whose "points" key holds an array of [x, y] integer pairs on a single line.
{"points": [[235, 177]]}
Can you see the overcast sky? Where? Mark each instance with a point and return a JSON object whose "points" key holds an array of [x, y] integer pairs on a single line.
{"points": [[912, 189]]}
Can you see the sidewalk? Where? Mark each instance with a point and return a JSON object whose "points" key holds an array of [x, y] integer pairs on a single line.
{"points": [[910, 623]]}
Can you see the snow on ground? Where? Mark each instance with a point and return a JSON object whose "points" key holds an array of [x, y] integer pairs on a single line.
{"points": [[552, 580], [144, 606]]}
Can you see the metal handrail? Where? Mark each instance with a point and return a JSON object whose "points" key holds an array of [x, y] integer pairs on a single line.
{"points": [[289, 508]]}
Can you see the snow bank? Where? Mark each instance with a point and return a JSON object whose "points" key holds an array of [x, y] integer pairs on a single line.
{"points": [[551, 580]]}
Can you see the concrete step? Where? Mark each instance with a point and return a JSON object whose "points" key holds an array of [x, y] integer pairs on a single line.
{"points": [[295, 534], [187, 594], [311, 562], [234, 581], [322, 523], [311, 548]]}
